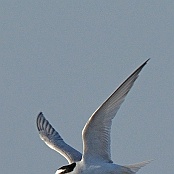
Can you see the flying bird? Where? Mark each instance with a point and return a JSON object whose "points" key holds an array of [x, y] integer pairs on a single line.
{"points": [[96, 156]]}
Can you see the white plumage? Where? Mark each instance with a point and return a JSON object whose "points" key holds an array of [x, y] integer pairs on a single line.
{"points": [[96, 157]]}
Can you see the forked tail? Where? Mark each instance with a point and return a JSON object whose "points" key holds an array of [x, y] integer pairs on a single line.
{"points": [[133, 168]]}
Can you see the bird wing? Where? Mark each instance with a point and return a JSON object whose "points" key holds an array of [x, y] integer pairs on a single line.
{"points": [[52, 138], [96, 132]]}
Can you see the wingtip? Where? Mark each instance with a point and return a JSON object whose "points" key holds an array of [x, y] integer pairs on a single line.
{"points": [[38, 119], [40, 113], [39, 116], [145, 63], [148, 59]]}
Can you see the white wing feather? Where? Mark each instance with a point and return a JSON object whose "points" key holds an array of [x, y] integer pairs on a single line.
{"points": [[96, 133], [52, 138]]}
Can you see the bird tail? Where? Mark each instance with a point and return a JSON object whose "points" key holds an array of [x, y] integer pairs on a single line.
{"points": [[133, 168]]}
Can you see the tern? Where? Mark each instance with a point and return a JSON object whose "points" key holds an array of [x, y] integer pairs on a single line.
{"points": [[96, 156]]}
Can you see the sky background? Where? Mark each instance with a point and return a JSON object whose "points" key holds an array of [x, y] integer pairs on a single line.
{"points": [[65, 58]]}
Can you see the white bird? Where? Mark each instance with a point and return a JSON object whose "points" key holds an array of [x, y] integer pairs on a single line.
{"points": [[96, 157]]}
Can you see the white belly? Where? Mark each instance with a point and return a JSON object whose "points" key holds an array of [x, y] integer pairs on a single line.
{"points": [[104, 168]]}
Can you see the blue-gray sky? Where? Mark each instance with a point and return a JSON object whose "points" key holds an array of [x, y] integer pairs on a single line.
{"points": [[65, 58]]}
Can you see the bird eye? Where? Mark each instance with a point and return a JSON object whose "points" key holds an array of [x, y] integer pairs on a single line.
{"points": [[66, 169]]}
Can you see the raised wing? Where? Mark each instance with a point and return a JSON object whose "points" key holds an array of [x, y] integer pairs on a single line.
{"points": [[96, 133], [52, 138]]}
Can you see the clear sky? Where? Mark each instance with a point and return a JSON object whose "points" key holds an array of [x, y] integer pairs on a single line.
{"points": [[64, 58]]}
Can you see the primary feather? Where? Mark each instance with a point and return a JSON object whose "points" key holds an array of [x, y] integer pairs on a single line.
{"points": [[96, 133], [52, 138]]}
